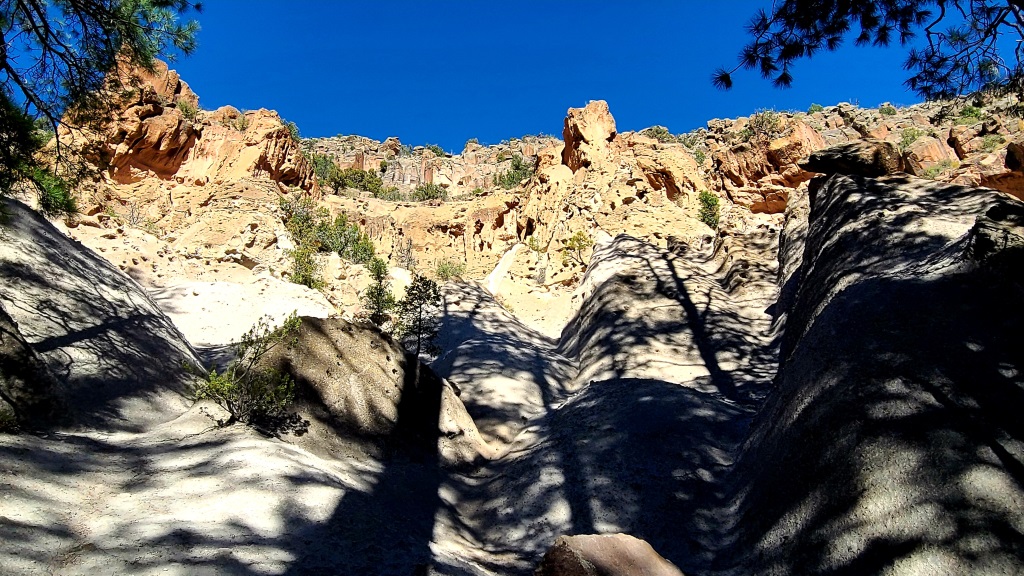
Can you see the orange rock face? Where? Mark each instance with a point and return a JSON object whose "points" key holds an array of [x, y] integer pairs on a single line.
{"points": [[160, 132], [587, 133]]}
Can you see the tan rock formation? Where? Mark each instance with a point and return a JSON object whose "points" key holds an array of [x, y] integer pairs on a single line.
{"points": [[405, 168], [159, 132], [586, 134], [927, 152]]}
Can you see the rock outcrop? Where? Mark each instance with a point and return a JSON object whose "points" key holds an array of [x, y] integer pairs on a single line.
{"points": [[160, 132], [463, 174], [918, 470], [604, 555], [859, 158], [358, 381], [118, 361], [29, 394]]}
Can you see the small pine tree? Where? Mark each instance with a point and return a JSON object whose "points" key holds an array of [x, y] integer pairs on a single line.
{"points": [[419, 315], [378, 298], [708, 208], [574, 248]]}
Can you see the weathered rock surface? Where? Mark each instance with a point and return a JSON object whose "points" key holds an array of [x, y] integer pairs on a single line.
{"points": [[29, 395], [906, 479], [357, 380], [887, 443], [463, 174], [604, 555], [859, 158], [119, 362], [154, 137]]}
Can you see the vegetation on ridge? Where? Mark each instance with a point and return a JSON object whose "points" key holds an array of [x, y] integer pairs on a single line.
{"points": [[517, 172]]}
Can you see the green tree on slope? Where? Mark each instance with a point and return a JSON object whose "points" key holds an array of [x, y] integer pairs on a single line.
{"points": [[419, 315]]}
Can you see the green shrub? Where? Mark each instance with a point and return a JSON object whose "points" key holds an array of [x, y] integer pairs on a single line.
{"points": [[54, 193], [511, 178], [709, 209], [314, 231], [765, 123], [325, 169], [293, 130], [934, 171], [533, 244], [419, 315], [887, 110], [391, 193], [970, 115], [908, 137], [345, 238], [383, 166], [429, 191], [251, 395], [991, 142], [478, 191], [448, 269], [367, 180], [437, 150], [306, 267], [470, 141], [815, 108], [574, 247], [659, 133], [188, 110], [240, 123]]}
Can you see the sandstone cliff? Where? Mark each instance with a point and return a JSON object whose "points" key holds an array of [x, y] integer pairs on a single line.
{"points": [[160, 132]]}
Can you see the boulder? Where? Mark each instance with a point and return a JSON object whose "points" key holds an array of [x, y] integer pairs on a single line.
{"points": [[801, 141], [604, 555], [359, 381], [28, 391], [997, 240], [1007, 175], [859, 158], [927, 152], [765, 199]]}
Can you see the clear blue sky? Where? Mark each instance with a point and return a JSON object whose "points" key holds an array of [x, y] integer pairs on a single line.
{"points": [[446, 71]]}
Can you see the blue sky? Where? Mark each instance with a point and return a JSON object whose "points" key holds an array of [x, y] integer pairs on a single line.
{"points": [[446, 71]]}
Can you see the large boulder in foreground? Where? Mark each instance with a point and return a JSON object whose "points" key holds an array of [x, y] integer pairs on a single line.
{"points": [[118, 361], [29, 396], [892, 443], [358, 381], [604, 555], [858, 158]]}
